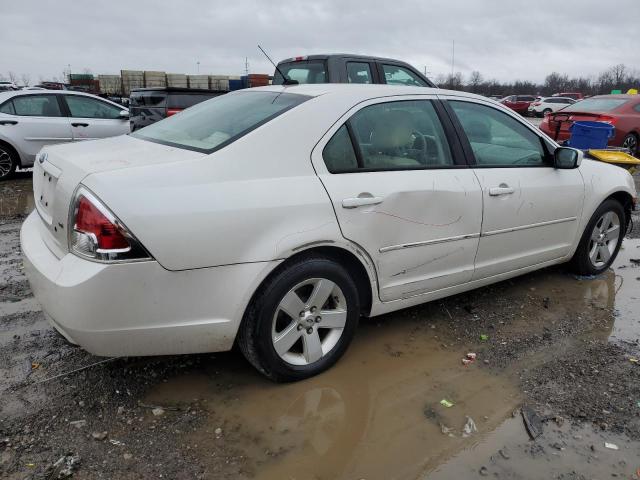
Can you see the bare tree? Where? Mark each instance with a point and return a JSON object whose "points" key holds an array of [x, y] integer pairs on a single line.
{"points": [[26, 79], [475, 81], [12, 77]]}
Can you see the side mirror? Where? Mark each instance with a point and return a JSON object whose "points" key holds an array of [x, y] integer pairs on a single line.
{"points": [[123, 115], [567, 158]]}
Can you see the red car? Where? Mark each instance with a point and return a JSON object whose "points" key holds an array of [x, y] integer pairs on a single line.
{"points": [[518, 103], [621, 111]]}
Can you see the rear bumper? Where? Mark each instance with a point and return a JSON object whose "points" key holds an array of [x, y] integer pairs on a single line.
{"points": [[133, 309]]}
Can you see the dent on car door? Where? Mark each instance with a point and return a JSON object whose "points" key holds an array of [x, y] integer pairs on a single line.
{"points": [[92, 118], [401, 192], [36, 121], [531, 209]]}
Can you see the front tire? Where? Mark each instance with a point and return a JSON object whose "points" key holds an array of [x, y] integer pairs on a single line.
{"points": [[301, 321], [8, 162], [601, 240]]}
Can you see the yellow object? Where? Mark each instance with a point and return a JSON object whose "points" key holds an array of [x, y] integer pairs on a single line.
{"points": [[632, 91], [620, 159]]}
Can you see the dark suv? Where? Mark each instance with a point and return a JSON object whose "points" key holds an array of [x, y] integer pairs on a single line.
{"points": [[148, 105], [346, 68]]}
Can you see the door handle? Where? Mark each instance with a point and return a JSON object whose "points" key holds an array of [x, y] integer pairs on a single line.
{"points": [[8, 122], [361, 200], [503, 189], [79, 124]]}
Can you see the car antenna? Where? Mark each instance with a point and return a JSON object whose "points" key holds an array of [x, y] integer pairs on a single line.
{"points": [[285, 80]]}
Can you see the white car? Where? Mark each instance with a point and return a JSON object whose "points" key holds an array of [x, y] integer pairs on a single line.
{"points": [[546, 105], [31, 119], [275, 217]]}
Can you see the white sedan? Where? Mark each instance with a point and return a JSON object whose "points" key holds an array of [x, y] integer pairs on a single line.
{"points": [[275, 217], [31, 119]]}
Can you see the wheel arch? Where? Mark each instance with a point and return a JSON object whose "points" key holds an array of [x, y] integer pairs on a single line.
{"points": [[626, 200]]}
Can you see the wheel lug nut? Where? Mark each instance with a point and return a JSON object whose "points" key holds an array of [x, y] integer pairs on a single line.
{"points": [[313, 309], [302, 314], [309, 330], [318, 319], [299, 327]]}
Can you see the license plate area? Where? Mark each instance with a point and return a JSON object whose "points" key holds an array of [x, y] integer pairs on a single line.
{"points": [[45, 179]]}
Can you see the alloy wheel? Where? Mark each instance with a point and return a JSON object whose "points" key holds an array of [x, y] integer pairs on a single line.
{"points": [[309, 321], [631, 142], [6, 163], [604, 239]]}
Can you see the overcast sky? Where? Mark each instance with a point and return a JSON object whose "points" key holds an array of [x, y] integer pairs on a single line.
{"points": [[503, 39]]}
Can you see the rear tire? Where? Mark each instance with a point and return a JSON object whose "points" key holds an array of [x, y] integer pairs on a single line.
{"points": [[546, 111], [301, 321], [630, 141], [601, 240], [8, 162]]}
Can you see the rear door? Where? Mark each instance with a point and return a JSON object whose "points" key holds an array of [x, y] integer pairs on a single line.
{"points": [[531, 209], [401, 190], [35, 121], [92, 118]]}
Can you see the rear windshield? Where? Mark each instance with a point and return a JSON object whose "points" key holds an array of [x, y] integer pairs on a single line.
{"points": [[148, 99], [596, 105], [186, 100], [307, 71], [216, 123]]}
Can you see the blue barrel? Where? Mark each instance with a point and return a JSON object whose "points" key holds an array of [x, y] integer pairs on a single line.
{"points": [[586, 135]]}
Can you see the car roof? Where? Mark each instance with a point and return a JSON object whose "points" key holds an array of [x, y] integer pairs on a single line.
{"points": [[324, 56], [359, 91], [19, 93]]}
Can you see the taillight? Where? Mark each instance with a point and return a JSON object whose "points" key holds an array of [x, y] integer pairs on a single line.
{"points": [[606, 119], [98, 234], [173, 111]]}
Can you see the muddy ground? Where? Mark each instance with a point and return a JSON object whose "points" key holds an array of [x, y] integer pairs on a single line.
{"points": [[557, 346]]}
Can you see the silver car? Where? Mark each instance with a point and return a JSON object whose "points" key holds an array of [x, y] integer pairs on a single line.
{"points": [[31, 119]]}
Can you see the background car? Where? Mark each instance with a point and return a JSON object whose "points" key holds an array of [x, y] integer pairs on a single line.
{"points": [[621, 111], [574, 95], [546, 105], [5, 85], [31, 119], [148, 105], [348, 68], [272, 218], [518, 103]]}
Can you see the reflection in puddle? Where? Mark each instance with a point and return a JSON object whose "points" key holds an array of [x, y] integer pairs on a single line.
{"points": [[377, 413]]}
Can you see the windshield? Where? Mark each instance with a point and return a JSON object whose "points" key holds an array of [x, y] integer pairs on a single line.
{"points": [[596, 105], [307, 71], [216, 123]]}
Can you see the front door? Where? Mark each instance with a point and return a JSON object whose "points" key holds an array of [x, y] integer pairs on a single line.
{"points": [[92, 118], [531, 209], [402, 192]]}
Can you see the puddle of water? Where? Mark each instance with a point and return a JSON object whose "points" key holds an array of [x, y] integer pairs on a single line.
{"points": [[16, 197], [376, 414], [627, 293]]}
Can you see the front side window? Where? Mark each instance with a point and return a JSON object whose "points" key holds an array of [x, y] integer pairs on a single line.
{"points": [[211, 125], [83, 107], [358, 72], [7, 107], [37, 106], [404, 135], [309, 71], [396, 75], [497, 139]]}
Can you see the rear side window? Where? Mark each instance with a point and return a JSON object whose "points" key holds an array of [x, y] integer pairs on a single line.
{"points": [[396, 75], [404, 135], [148, 99], [7, 107], [37, 106], [497, 139], [213, 124], [358, 72], [308, 71]]}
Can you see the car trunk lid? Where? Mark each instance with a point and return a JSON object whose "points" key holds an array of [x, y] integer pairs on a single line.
{"points": [[60, 169]]}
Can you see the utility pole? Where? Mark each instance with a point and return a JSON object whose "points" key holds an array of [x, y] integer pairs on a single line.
{"points": [[68, 73], [246, 65], [453, 56], [198, 66]]}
